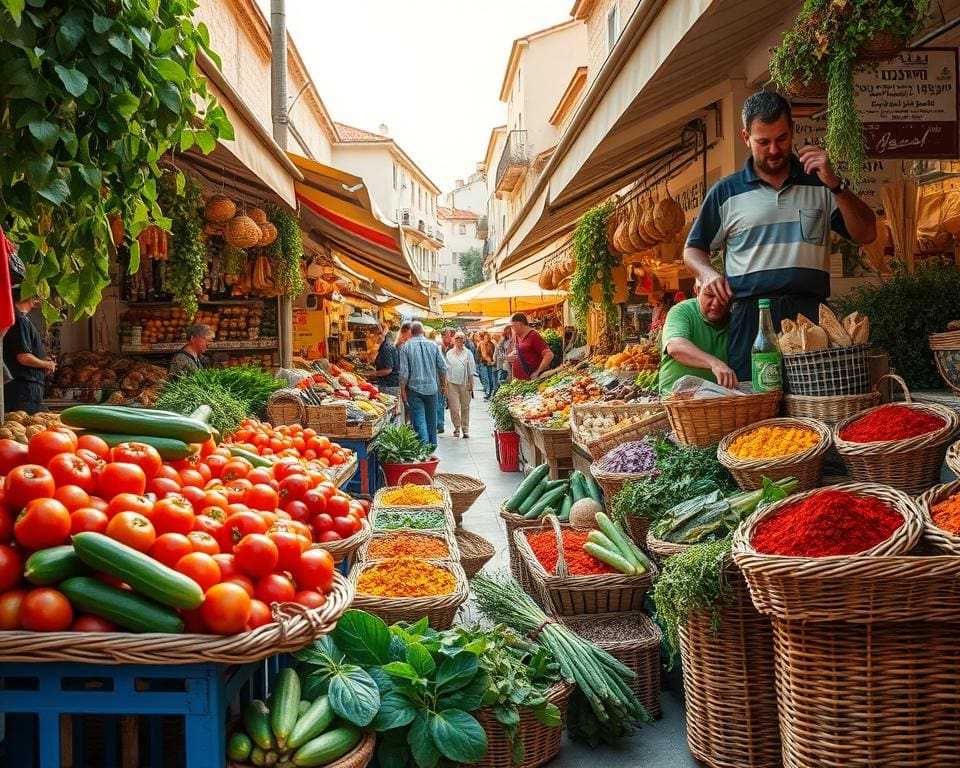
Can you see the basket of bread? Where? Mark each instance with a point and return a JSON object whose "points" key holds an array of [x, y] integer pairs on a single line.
{"points": [[828, 358]]}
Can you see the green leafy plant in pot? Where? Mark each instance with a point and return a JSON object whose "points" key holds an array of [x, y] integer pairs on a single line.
{"points": [[399, 449]]}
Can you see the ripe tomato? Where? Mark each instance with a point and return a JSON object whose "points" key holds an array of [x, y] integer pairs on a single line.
{"points": [[228, 566], [95, 444], [244, 582], [310, 599], [235, 469], [6, 526], [259, 475], [91, 459], [237, 490], [161, 486], [73, 497], [357, 510], [11, 567], [10, 609], [297, 511], [88, 519], [293, 488], [245, 523], [129, 502], [256, 555], [315, 570], [43, 446], [200, 567], [45, 610], [43, 523], [26, 483], [195, 495], [301, 529], [288, 547], [215, 498], [338, 506], [144, 456], [259, 614], [283, 469], [173, 515], [97, 503], [327, 488], [316, 502], [132, 529], [12, 454], [168, 473], [215, 463], [322, 523], [226, 609], [202, 541], [190, 476], [170, 547], [90, 623], [122, 477], [275, 588], [329, 536], [262, 497], [346, 525]]}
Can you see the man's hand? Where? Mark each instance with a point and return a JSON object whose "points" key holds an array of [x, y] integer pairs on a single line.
{"points": [[717, 286], [51, 365], [815, 160], [724, 374]]}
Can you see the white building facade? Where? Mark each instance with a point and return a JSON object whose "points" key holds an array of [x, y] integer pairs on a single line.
{"points": [[460, 237]]}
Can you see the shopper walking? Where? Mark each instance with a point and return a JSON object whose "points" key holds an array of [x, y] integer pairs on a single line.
{"points": [[502, 360], [488, 370], [460, 371], [404, 336], [445, 343], [423, 380]]}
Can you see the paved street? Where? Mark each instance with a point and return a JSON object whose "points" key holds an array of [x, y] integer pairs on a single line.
{"points": [[659, 746]]}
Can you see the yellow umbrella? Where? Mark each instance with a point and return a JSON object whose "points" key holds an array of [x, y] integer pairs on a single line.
{"points": [[499, 299]]}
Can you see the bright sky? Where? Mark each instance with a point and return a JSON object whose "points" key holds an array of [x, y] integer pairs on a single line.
{"points": [[429, 69]]}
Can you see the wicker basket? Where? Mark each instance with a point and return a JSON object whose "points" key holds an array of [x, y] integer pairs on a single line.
{"points": [[464, 491], [806, 466], [329, 420], [518, 567], [345, 548], [911, 465], [661, 549], [829, 410], [475, 551], [831, 588], [882, 46], [444, 503], [446, 536], [570, 595], [611, 482], [294, 626], [946, 354], [829, 372], [953, 458], [286, 407], [441, 610], [541, 743], [815, 89], [729, 684], [940, 540], [359, 757], [639, 650], [705, 421], [623, 431]]}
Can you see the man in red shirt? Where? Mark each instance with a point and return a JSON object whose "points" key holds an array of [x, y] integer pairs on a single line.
{"points": [[530, 356]]}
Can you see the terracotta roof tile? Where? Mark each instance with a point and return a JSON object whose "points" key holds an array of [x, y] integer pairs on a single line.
{"points": [[350, 134], [456, 213]]}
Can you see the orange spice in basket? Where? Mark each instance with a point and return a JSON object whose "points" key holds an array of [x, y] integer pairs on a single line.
{"points": [[891, 422], [771, 442], [411, 494], [946, 514], [408, 545], [406, 577], [544, 546]]}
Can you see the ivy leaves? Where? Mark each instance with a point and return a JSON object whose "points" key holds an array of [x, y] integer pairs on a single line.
{"points": [[595, 263], [93, 95]]}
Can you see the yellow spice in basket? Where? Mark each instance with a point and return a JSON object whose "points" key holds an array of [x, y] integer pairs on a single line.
{"points": [[771, 442], [410, 494], [406, 577]]}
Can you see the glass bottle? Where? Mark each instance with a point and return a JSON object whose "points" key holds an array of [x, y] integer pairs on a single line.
{"points": [[765, 358]]}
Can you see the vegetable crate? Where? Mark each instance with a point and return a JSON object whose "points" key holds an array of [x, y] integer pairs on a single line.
{"points": [[123, 716]]}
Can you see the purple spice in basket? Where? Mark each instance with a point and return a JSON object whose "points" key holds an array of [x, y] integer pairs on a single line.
{"points": [[633, 457]]}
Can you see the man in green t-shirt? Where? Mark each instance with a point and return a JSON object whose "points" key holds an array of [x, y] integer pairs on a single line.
{"points": [[694, 342]]}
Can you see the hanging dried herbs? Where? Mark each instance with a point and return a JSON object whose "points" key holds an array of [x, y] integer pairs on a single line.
{"points": [[595, 264], [186, 263], [286, 254]]}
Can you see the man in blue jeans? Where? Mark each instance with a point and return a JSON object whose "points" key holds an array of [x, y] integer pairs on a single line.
{"points": [[423, 379]]}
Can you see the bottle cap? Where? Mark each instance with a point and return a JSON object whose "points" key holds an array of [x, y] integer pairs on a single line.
{"points": [[764, 303]]}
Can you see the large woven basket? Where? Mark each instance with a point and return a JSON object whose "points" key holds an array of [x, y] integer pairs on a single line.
{"points": [[729, 684], [806, 466], [541, 743], [705, 421], [464, 491], [475, 551], [661, 549], [446, 536], [346, 548], [831, 588], [611, 482], [570, 595], [829, 410], [286, 407], [953, 458], [359, 757], [518, 568], [942, 541], [881, 46], [946, 354], [638, 648], [444, 503], [829, 372], [626, 429], [294, 626], [441, 610], [911, 465]]}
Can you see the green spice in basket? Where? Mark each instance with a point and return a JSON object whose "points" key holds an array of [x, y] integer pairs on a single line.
{"points": [[415, 519]]}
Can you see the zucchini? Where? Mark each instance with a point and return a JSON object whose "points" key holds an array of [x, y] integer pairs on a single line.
{"points": [[203, 414], [302, 710], [146, 575], [613, 559], [551, 484], [620, 540], [529, 483], [593, 489], [286, 699], [312, 723], [53, 565], [565, 506], [168, 448], [108, 418], [577, 486], [253, 458], [329, 747], [256, 721], [121, 606], [549, 499], [239, 747], [533, 497]]}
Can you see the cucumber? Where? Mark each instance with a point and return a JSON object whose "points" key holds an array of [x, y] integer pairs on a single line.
{"points": [[286, 699], [146, 575], [575, 485], [302, 710], [565, 506], [329, 747], [549, 499], [593, 489], [108, 418], [613, 559], [620, 540], [258, 757], [312, 723], [253, 458], [168, 448], [239, 747], [124, 608], [256, 721], [203, 413], [528, 484], [551, 484], [53, 565], [533, 497]]}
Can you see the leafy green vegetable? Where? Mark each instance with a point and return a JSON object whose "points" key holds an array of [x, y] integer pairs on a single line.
{"points": [[184, 394], [400, 445], [354, 695], [247, 384]]}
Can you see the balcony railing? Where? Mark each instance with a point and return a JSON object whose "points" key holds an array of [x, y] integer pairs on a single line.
{"points": [[514, 162]]}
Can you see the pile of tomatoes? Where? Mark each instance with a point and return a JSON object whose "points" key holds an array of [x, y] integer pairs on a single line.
{"points": [[289, 441], [245, 534]]}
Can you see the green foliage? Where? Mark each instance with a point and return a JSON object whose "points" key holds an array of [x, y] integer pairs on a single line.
{"points": [[471, 263], [247, 384], [92, 95], [499, 406], [184, 394], [903, 311], [399, 444], [286, 253], [595, 264], [181, 200], [554, 340]]}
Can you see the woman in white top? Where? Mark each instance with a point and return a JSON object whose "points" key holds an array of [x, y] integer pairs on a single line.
{"points": [[460, 370]]}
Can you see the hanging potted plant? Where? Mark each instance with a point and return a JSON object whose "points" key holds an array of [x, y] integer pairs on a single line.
{"points": [[829, 39], [399, 449]]}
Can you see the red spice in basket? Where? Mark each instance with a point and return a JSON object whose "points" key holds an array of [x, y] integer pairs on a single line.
{"points": [[579, 563], [891, 422], [825, 524]]}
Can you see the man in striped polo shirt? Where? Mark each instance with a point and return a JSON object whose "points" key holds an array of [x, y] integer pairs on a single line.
{"points": [[771, 223]]}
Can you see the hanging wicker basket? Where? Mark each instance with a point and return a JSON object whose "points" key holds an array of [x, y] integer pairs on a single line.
{"points": [[882, 46], [219, 209], [242, 232], [816, 88]]}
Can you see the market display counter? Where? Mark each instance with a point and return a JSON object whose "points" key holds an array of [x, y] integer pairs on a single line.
{"points": [[530, 455], [555, 446]]}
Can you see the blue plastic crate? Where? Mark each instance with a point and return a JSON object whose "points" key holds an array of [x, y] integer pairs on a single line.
{"points": [[367, 477]]}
